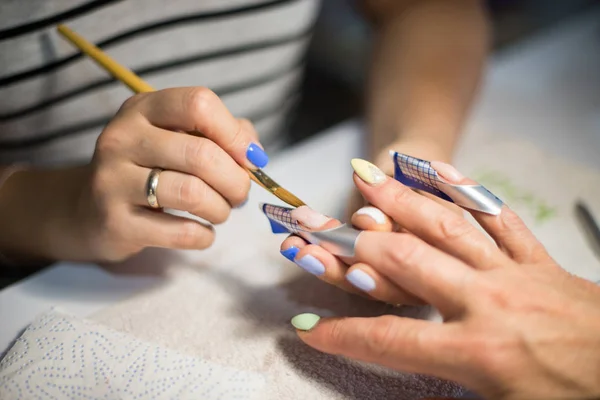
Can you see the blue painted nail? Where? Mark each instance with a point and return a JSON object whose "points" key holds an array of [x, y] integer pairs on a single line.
{"points": [[290, 253], [361, 280], [311, 265], [257, 156]]}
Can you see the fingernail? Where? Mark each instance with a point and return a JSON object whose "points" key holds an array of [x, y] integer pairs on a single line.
{"points": [[374, 213], [257, 156], [309, 217], [311, 265], [290, 253], [361, 280], [305, 322], [368, 172], [447, 172]]}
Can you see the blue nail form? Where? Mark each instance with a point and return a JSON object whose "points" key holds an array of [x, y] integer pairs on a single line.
{"points": [[257, 156], [290, 253], [311, 265], [419, 174], [280, 219]]}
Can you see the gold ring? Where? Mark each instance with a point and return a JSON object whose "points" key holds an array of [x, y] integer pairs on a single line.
{"points": [[152, 187]]}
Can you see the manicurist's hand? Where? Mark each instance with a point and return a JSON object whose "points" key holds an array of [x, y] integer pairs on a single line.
{"points": [[516, 325], [144, 161]]}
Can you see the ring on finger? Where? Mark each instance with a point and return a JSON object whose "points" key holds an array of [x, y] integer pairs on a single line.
{"points": [[152, 187]]}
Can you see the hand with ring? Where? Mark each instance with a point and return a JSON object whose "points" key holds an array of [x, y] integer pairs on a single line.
{"points": [[176, 148], [144, 162]]}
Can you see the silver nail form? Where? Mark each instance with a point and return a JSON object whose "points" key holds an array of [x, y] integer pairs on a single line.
{"points": [[419, 174], [340, 241]]}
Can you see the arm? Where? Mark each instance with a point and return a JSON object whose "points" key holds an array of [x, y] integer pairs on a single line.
{"points": [[427, 60], [38, 212]]}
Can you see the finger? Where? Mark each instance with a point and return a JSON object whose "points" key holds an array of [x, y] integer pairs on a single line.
{"points": [[372, 219], [418, 268], [159, 229], [314, 220], [199, 109], [425, 218], [317, 261], [201, 157], [369, 280], [249, 127], [182, 192], [507, 229], [405, 344]]}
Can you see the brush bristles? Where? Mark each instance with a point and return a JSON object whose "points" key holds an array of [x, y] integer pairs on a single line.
{"points": [[287, 197], [266, 182]]}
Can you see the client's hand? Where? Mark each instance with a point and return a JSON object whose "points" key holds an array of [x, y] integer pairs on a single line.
{"points": [[516, 325], [109, 214]]}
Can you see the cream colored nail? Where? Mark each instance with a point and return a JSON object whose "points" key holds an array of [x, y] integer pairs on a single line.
{"points": [[368, 172], [374, 213], [447, 172]]}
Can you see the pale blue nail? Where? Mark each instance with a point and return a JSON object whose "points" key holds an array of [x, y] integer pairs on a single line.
{"points": [[257, 156], [361, 280], [290, 253], [311, 265]]}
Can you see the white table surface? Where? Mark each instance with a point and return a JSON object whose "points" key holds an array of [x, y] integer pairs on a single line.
{"points": [[546, 90]]}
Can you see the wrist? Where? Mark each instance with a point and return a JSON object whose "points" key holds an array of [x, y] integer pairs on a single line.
{"points": [[38, 208]]}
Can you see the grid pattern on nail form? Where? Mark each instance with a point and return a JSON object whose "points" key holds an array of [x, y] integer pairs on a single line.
{"points": [[418, 174], [283, 216], [417, 169]]}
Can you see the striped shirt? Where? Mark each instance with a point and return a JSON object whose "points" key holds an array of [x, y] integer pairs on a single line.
{"points": [[54, 102]]}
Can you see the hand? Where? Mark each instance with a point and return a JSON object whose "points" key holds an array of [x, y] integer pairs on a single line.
{"points": [[202, 175], [516, 325], [106, 203]]}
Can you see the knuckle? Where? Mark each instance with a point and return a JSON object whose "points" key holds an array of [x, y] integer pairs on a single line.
{"points": [[132, 102], [406, 250], [510, 221], [190, 192], [401, 196], [493, 294], [239, 139], [200, 101], [199, 153], [241, 189], [112, 140], [337, 333], [453, 228], [381, 336], [187, 236]]}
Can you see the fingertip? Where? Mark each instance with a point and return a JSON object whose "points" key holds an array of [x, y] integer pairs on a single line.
{"points": [[371, 218], [256, 155], [305, 322], [290, 253], [292, 241]]}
